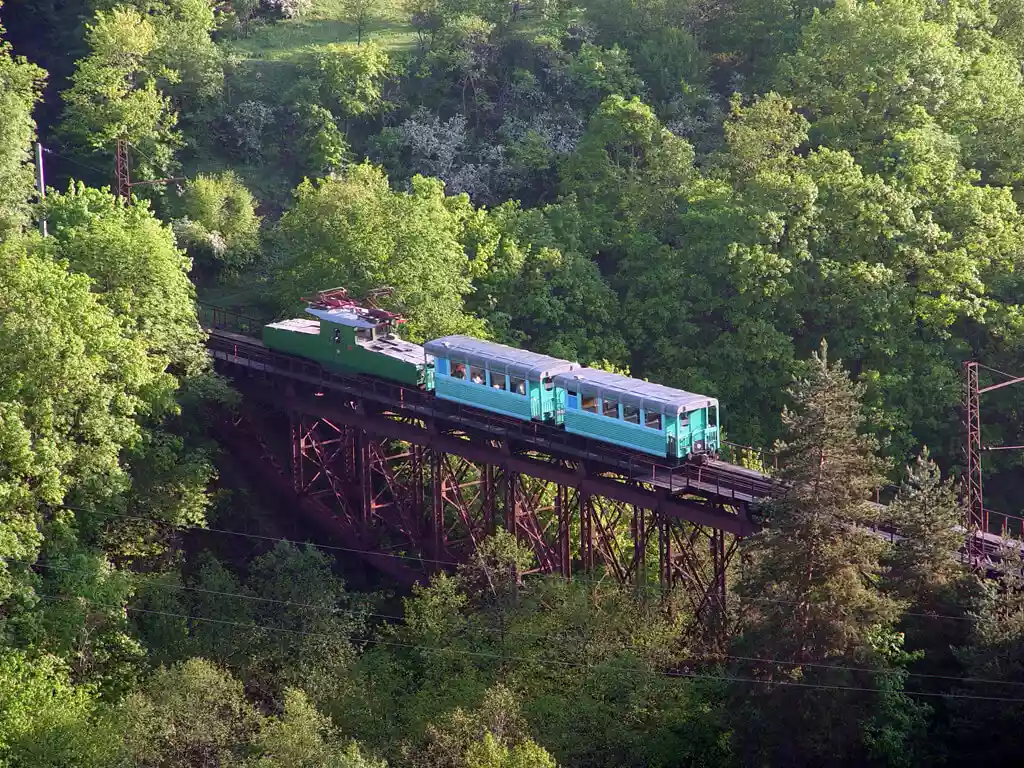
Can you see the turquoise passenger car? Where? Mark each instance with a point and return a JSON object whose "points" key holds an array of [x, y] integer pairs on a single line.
{"points": [[652, 418], [497, 378]]}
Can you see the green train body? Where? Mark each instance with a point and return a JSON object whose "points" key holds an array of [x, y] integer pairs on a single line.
{"points": [[347, 341], [347, 337]]}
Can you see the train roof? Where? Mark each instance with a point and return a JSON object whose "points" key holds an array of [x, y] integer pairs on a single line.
{"points": [[642, 394], [349, 316], [497, 357], [399, 349]]}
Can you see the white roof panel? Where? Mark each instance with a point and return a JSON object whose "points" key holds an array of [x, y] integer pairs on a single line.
{"points": [[497, 357], [632, 391], [343, 316], [392, 346]]}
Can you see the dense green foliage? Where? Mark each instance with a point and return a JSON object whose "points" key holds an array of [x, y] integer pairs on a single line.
{"points": [[697, 192]]}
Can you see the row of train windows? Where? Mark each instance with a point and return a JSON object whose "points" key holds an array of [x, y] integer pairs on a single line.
{"points": [[630, 413], [500, 381]]}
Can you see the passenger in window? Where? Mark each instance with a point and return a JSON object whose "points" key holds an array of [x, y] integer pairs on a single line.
{"points": [[478, 379]]}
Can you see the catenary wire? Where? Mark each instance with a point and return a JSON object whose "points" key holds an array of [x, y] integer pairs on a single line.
{"points": [[548, 662], [995, 370], [328, 610], [414, 558], [75, 161]]}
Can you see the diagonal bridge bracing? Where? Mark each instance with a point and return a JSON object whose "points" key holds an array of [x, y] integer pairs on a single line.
{"points": [[390, 470], [415, 483]]}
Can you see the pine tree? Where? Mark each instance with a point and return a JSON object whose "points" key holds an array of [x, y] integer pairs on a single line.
{"points": [[989, 732], [813, 599], [925, 571], [926, 513]]}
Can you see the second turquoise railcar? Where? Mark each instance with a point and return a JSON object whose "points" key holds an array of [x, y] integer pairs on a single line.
{"points": [[652, 418], [509, 381]]}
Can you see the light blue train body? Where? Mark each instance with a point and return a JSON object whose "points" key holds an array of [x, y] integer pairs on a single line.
{"points": [[615, 409]]}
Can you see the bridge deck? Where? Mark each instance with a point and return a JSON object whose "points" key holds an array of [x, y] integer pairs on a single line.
{"points": [[717, 481]]}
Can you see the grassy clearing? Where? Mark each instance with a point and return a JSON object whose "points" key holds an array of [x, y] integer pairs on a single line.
{"points": [[289, 39]]}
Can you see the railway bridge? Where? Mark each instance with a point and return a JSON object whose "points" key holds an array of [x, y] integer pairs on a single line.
{"points": [[414, 483]]}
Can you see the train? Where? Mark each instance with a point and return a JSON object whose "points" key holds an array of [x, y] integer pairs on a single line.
{"points": [[349, 336]]}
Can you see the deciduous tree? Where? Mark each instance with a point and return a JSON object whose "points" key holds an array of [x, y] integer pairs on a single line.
{"points": [[114, 93], [219, 222], [353, 230], [20, 89]]}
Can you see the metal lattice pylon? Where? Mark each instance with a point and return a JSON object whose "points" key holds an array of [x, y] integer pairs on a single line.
{"points": [[123, 181], [973, 498]]}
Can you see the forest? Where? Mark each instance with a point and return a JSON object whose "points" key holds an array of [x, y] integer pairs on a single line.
{"points": [[810, 210]]}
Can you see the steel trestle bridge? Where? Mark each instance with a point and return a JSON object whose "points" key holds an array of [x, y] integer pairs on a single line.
{"points": [[388, 469]]}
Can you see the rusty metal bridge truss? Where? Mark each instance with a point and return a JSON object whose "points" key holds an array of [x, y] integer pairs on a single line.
{"points": [[414, 484]]}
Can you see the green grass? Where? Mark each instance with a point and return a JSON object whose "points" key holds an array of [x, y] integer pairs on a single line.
{"points": [[287, 40]]}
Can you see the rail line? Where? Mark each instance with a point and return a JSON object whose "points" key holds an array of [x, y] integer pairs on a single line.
{"points": [[726, 482], [719, 482]]}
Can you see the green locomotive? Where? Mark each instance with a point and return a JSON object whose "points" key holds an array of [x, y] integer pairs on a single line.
{"points": [[348, 337]]}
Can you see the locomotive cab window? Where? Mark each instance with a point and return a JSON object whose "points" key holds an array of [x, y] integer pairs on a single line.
{"points": [[364, 334], [630, 413], [458, 370], [684, 420], [476, 374], [652, 420], [610, 408], [590, 403], [548, 384], [499, 381], [518, 385], [712, 416]]}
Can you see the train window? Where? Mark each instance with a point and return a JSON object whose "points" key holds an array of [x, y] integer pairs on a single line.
{"points": [[630, 413], [499, 381], [518, 386], [548, 384], [476, 374], [364, 334], [684, 420], [590, 403], [610, 408], [712, 417], [458, 370], [652, 420]]}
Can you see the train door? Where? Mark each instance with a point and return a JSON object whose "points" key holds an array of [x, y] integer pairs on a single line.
{"points": [[697, 421], [559, 403], [536, 401]]}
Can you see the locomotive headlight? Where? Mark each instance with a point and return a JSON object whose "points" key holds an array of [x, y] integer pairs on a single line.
{"points": [[698, 445]]}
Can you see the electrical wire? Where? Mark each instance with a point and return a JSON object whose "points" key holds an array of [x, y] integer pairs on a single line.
{"points": [[322, 609], [1001, 373], [543, 662], [76, 161], [330, 547]]}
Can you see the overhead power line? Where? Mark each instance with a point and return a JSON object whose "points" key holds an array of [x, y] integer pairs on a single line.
{"points": [[415, 558], [543, 662], [546, 635]]}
